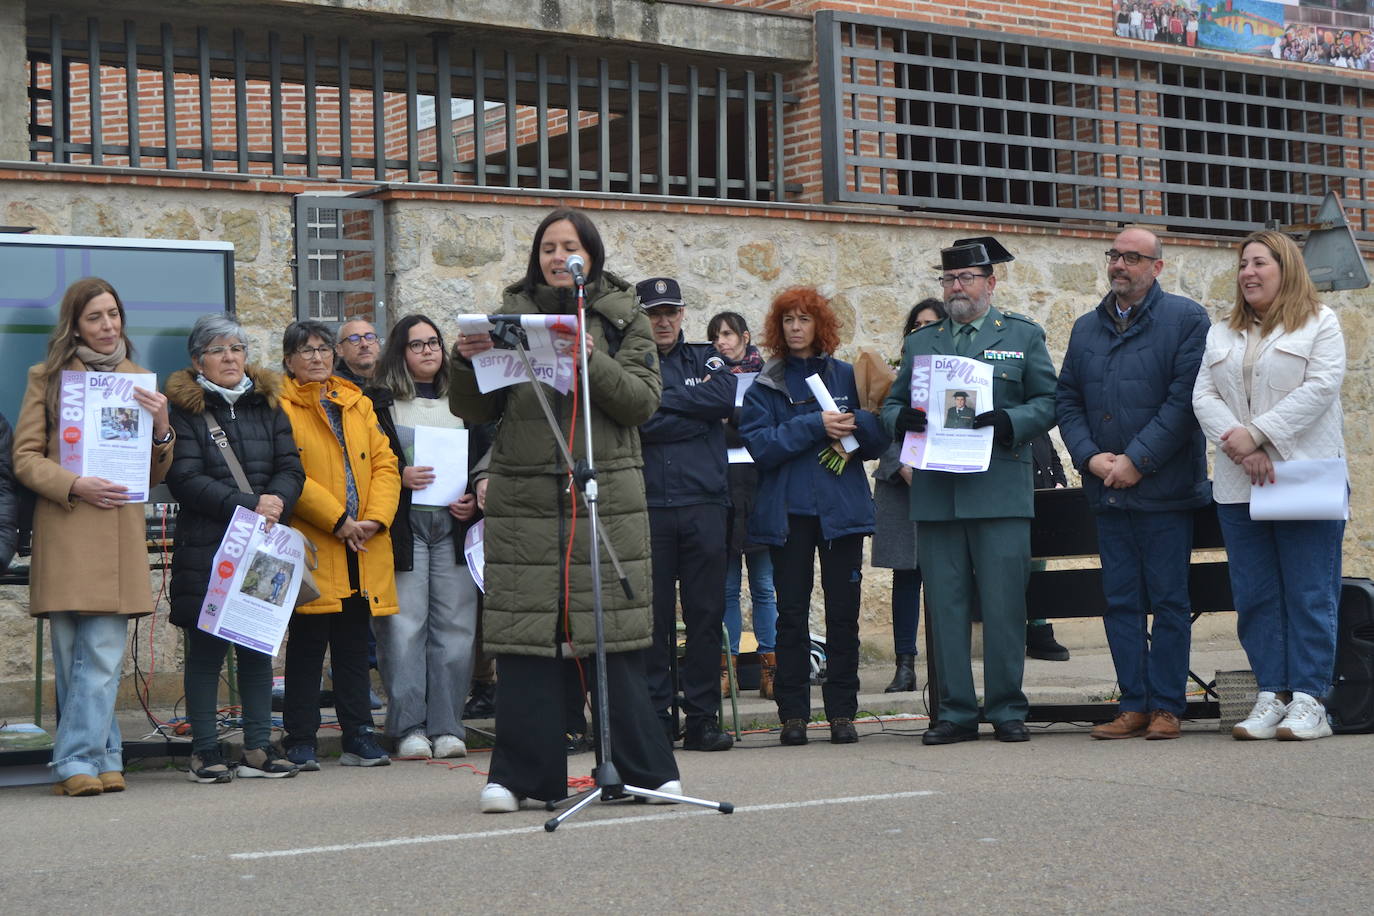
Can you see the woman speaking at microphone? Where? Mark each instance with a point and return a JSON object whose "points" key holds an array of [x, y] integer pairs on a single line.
{"points": [[539, 603]]}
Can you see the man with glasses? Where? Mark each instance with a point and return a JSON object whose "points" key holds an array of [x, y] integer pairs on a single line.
{"points": [[359, 347], [975, 528], [1125, 412], [688, 492]]}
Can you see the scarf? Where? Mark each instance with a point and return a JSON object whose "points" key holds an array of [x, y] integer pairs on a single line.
{"points": [[101, 362], [752, 362]]}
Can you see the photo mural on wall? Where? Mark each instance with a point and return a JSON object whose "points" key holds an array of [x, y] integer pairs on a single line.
{"points": [[1337, 33]]}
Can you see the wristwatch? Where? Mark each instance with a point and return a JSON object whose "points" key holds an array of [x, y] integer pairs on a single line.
{"points": [[165, 439]]}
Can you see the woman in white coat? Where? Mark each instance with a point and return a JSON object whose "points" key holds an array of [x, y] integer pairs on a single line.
{"points": [[1270, 390]]}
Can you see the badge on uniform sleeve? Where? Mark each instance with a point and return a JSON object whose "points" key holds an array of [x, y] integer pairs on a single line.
{"points": [[995, 355]]}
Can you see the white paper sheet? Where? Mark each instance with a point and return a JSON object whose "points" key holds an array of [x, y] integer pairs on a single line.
{"points": [[739, 456], [948, 444], [445, 450], [104, 431], [823, 398], [1303, 490], [551, 355], [474, 551], [742, 382]]}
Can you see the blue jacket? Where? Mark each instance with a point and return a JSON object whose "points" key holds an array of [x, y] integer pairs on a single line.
{"points": [[1131, 393], [785, 438], [684, 441]]}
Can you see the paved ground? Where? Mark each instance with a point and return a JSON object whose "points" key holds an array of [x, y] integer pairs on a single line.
{"points": [[1060, 824]]}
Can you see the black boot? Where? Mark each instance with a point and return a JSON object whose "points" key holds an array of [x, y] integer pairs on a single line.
{"points": [[905, 678], [704, 735], [1041, 644]]}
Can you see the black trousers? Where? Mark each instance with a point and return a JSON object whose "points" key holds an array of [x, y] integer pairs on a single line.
{"points": [[689, 547], [841, 580], [531, 758], [345, 634]]}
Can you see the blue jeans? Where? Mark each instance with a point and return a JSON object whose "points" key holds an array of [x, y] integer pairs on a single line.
{"points": [[763, 602], [1286, 582], [906, 609], [1145, 559], [88, 659]]}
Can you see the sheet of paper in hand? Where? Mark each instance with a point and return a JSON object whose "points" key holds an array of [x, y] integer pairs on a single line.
{"points": [[254, 579], [952, 390], [551, 355], [475, 553], [104, 432]]}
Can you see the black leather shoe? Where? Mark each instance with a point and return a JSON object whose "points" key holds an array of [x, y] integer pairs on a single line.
{"points": [[946, 732], [1013, 730], [481, 703], [705, 736], [1041, 644], [793, 732], [842, 731], [905, 677]]}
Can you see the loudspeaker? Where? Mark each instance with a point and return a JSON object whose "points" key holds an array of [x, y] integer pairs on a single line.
{"points": [[1351, 702]]}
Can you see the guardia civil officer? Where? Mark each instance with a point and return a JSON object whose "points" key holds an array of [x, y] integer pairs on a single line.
{"points": [[975, 528]]}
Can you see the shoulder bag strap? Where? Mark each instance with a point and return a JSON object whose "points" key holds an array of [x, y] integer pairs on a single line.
{"points": [[220, 438]]}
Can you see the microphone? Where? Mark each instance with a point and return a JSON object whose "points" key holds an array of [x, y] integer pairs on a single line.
{"points": [[578, 268]]}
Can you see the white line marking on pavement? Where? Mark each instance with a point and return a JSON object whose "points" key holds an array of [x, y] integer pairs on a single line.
{"points": [[570, 825]]}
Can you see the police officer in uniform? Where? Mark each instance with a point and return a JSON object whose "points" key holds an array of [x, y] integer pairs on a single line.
{"points": [[975, 528], [685, 480]]}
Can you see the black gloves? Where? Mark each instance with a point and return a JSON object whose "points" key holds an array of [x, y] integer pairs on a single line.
{"points": [[1000, 422], [909, 420]]}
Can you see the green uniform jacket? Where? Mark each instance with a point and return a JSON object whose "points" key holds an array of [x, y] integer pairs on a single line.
{"points": [[529, 512], [1023, 384]]}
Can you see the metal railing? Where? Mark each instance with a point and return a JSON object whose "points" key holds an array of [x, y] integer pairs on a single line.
{"points": [[270, 105], [951, 119]]}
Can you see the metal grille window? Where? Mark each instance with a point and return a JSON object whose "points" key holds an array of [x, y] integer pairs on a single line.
{"points": [[175, 97], [340, 251], [957, 120]]}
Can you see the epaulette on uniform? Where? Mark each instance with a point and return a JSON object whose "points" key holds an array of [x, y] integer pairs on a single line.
{"points": [[1019, 317]]}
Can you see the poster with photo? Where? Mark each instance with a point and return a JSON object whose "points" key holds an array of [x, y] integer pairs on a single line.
{"points": [[551, 355], [254, 580], [104, 432], [949, 389]]}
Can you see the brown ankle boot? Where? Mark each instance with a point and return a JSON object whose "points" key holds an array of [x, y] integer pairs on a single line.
{"points": [[768, 669], [726, 663]]}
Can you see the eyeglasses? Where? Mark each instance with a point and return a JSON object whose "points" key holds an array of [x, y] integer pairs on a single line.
{"points": [[356, 339], [312, 352], [1130, 257], [949, 280], [236, 349], [420, 346]]}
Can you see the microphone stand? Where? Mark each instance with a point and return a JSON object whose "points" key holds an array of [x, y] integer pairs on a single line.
{"points": [[608, 784]]}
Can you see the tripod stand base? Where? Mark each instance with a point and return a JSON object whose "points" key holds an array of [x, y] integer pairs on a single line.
{"points": [[623, 792]]}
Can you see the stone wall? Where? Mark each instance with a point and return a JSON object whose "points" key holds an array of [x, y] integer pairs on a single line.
{"points": [[452, 252]]}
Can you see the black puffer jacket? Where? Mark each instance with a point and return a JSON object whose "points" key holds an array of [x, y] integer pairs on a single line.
{"points": [[402, 539], [9, 496], [260, 435]]}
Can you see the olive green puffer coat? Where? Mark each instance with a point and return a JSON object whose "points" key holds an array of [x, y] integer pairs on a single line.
{"points": [[529, 513]]}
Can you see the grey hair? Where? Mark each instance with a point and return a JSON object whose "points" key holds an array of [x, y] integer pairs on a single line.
{"points": [[209, 327], [298, 334]]}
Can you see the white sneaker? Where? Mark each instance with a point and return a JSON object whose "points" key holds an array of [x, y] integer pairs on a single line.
{"points": [[449, 746], [1306, 719], [1263, 719], [672, 787], [414, 744], [497, 799]]}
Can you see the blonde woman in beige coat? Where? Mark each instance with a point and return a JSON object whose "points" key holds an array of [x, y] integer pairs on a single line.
{"points": [[90, 559]]}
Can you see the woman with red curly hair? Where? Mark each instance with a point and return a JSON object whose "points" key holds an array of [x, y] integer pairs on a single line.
{"points": [[812, 498]]}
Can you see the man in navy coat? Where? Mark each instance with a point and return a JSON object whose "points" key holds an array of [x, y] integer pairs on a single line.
{"points": [[1124, 405]]}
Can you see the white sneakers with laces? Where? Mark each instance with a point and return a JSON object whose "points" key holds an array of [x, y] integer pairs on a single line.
{"points": [[449, 746], [1306, 720], [1263, 720], [414, 744]]}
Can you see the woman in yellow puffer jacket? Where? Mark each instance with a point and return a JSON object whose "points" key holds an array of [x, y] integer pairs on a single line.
{"points": [[352, 487]]}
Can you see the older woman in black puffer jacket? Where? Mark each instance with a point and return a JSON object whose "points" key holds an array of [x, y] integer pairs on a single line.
{"points": [[242, 399]]}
